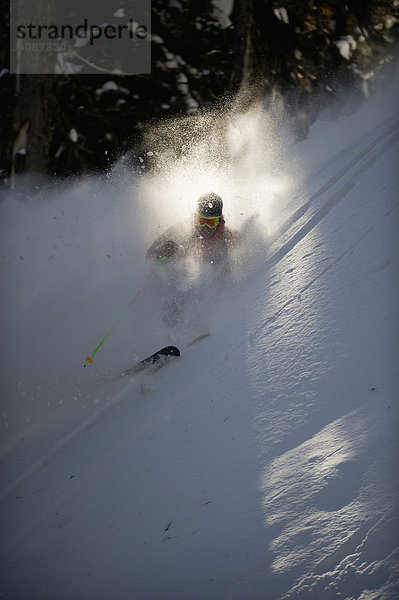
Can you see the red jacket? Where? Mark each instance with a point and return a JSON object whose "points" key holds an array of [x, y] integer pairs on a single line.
{"points": [[209, 245], [213, 245]]}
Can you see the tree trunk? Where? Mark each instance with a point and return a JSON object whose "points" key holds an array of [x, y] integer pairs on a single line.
{"points": [[35, 119], [35, 114], [241, 17]]}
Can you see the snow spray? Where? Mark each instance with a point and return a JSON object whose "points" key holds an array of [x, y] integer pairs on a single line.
{"points": [[89, 359]]}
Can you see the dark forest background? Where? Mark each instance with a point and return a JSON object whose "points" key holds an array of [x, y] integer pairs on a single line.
{"points": [[313, 55]]}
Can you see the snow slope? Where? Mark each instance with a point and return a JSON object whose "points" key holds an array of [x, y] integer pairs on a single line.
{"points": [[261, 463]]}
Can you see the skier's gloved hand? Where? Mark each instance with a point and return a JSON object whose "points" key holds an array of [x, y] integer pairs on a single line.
{"points": [[163, 249]]}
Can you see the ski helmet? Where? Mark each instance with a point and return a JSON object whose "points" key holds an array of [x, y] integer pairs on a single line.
{"points": [[210, 205]]}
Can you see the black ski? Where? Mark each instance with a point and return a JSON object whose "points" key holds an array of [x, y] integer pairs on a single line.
{"points": [[160, 357], [154, 361]]}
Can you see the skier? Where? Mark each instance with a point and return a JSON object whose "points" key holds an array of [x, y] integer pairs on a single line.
{"points": [[209, 240]]}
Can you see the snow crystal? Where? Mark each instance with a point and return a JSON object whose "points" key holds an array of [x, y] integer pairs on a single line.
{"points": [[281, 14], [109, 86], [346, 45], [156, 39], [73, 135], [390, 21]]}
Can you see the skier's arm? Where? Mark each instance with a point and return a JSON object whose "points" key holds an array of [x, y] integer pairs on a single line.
{"points": [[162, 248]]}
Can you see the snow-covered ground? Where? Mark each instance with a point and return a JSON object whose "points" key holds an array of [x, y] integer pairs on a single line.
{"points": [[261, 464]]}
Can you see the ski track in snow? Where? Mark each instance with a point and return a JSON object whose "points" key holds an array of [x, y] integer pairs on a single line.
{"points": [[273, 479]]}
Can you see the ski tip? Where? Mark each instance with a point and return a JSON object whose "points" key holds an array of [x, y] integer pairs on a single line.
{"points": [[162, 355], [170, 351]]}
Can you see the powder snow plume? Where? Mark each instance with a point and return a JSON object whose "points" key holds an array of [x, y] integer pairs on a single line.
{"points": [[73, 252], [241, 155]]}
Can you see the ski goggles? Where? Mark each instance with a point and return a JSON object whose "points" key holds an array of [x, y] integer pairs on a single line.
{"points": [[208, 221]]}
